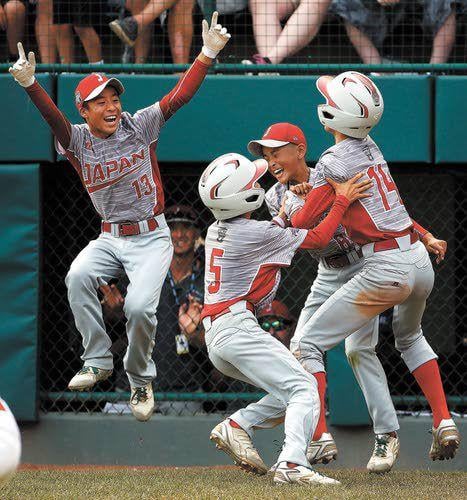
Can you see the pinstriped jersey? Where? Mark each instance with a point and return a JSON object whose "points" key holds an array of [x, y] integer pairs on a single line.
{"points": [[351, 156], [340, 242], [120, 172], [243, 261]]}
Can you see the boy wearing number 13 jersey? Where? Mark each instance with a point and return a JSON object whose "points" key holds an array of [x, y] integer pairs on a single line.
{"points": [[397, 271], [114, 156]]}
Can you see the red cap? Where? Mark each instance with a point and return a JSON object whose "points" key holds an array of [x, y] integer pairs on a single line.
{"points": [[276, 308], [277, 135], [91, 86]]}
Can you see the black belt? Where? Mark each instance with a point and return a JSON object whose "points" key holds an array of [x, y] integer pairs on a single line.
{"points": [[343, 259]]}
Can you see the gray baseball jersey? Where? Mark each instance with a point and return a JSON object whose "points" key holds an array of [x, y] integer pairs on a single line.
{"points": [[382, 212], [121, 173], [243, 260]]}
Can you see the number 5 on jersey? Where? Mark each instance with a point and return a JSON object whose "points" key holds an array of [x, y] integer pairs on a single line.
{"points": [[216, 270]]}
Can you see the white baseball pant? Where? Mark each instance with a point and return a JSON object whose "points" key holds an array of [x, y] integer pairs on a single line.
{"points": [[240, 348], [359, 346], [145, 258]]}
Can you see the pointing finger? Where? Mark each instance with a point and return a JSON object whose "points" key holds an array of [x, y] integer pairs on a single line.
{"points": [[205, 26], [21, 53], [215, 15]]}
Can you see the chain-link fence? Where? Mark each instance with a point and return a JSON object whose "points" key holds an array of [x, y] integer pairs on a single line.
{"points": [[263, 31], [187, 383]]}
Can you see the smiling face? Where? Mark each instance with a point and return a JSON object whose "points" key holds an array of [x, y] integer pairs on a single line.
{"points": [[184, 236], [285, 162], [103, 113]]}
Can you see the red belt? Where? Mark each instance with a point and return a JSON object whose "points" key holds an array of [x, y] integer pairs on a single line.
{"points": [[381, 246], [249, 306], [128, 228]]}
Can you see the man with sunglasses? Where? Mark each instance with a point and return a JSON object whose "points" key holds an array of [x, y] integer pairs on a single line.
{"points": [[277, 320]]}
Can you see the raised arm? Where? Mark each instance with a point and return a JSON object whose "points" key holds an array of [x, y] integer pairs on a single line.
{"points": [[214, 39], [317, 201], [23, 72]]}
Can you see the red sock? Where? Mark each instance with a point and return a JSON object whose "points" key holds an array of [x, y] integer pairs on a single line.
{"points": [[291, 464], [429, 380], [234, 424], [321, 427]]}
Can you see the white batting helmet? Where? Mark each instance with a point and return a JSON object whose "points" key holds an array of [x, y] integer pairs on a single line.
{"points": [[354, 105], [227, 186]]}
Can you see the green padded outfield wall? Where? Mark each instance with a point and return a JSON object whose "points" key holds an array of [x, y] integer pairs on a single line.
{"points": [[228, 111], [451, 119], [24, 137], [19, 293]]}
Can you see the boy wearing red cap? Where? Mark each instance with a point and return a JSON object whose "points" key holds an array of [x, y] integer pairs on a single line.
{"points": [[114, 155], [283, 145]]}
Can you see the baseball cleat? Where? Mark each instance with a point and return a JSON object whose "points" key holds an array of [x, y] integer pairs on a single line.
{"points": [[446, 440], [87, 377], [142, 402], [301, 475], [238, 445], [323, 450], [384, 454], [126, 29]]}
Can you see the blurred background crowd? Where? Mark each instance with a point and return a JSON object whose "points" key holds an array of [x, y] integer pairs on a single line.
{"points": [[264, 31]]}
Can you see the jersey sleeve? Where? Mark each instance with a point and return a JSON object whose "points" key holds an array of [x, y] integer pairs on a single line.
{"points": [[273, 201], [149, 122], [329, 165], [280, 244]]}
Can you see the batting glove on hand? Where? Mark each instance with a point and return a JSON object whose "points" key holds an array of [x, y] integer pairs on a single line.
{"points": [[215, 37], [23, 70]]}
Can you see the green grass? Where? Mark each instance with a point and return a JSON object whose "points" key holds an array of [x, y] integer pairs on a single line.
{"points": [[226, 483]]}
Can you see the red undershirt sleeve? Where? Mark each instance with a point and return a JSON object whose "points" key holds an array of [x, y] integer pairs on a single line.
{"points": [[321, 235], [57, 121], [419, 229], [317, 202], [185, 89]]}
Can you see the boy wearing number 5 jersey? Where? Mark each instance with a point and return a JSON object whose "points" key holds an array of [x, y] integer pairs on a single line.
{"points": [[114, 155], [243, 261], [397, 271]]}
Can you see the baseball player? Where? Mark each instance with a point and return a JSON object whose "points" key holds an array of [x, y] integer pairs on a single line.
{"points": [[243, 261], [114, 155], [10, 444], [396, 271], [284, 146]]}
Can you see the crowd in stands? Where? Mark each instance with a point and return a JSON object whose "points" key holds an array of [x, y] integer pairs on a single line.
{"points": [[264, 31]]}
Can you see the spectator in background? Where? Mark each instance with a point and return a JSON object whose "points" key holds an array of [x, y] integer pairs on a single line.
{"points": [[275, 43], [277, 320], [12, 20], [369, 22], [80, 16], [134, 31], [46, 31], [180, 352]]}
